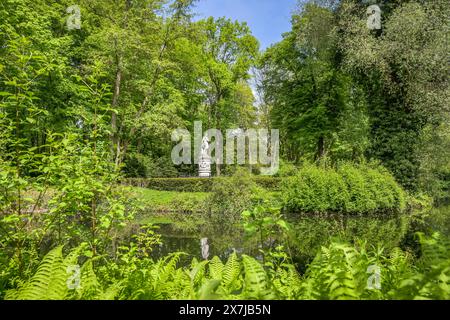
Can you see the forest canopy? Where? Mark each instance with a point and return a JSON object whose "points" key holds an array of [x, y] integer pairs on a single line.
{"points": [[334, 88]]}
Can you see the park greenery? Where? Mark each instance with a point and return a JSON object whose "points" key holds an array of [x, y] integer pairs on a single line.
{"points": [[88, 188]]}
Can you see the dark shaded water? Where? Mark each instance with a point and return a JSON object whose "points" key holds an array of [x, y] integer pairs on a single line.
{"points": [[220, 244]]}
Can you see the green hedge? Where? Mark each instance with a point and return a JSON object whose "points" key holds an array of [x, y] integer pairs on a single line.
{"points": [[194, 184], [347, 189], [269, 183], [173, 184]]}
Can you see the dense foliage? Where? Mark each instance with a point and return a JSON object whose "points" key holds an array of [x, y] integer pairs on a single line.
{"points": [[347, 189], [364, 124], [336, 88], [338, 272]]}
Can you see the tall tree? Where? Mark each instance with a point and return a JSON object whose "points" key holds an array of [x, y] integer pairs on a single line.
{"points": [[310, 95], [135, 38], [404, 70], [229, 51]]}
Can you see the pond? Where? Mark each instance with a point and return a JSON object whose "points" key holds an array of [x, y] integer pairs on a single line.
{"points": [[310, 233], [221, 244]]}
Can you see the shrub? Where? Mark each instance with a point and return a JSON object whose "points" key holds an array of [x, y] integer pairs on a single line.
{"points": [[287, 169], [269, 183], [359, 193], [347, 189], [315, 190], [231, 196], [385, 192]]}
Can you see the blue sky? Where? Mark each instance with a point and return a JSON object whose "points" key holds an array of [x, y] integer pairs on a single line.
{"points": [[268, 19]]}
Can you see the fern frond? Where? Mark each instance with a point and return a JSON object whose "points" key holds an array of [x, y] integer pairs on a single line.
{"points": [[216, 268], [197, 274], [49, 281], [256, 281], [231, 271]]}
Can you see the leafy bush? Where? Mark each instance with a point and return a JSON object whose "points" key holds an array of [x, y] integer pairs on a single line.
{"points": [[267, 224], [287, 169], [347, 189], [63, 191], [231, 196]]}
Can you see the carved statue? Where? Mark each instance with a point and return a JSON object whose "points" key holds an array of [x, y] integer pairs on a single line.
{"points": [[205, 147], [204, 167], [374, 19]]}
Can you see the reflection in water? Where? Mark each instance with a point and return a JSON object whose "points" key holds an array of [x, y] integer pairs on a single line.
{"points": [[212, 243], [205, 248], [311, 232]]}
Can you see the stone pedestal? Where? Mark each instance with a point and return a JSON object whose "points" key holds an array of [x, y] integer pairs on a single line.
{"points": [[204, 167]]}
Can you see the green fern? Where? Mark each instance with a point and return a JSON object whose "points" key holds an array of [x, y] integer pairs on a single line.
{"points": [[256, 280], [338, 272], [432, 279], [332, 275], [230, 274], [198, 272], [89, 288], [216, 268], [287, 282], [48, 283]]}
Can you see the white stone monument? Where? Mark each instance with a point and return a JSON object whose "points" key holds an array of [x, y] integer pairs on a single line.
{"points": [[374, 19], [204, 163]]}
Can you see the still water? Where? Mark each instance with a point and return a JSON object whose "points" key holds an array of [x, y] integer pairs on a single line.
{"points": [[221, 244], [310, 234]]}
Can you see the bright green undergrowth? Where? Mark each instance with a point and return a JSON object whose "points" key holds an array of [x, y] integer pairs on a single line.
{"points": [[339, 272], [160, 201], [349, 188]]}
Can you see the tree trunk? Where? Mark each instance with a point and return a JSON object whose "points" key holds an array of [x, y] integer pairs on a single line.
{"points": [[320, 148], [115, 103], [218, 170]]}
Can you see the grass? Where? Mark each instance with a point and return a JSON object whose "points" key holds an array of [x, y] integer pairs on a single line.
{"points": [[169, 201]]}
